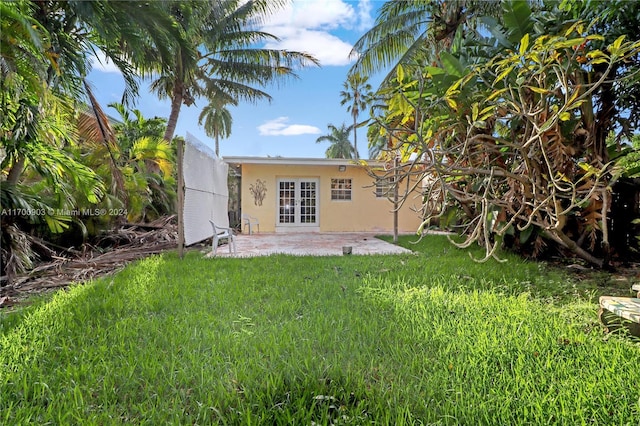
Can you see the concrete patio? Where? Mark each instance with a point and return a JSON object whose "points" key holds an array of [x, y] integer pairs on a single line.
{"points": [[309, 244]]}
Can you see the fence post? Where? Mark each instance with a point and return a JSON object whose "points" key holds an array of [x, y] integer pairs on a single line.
{"points": [[180, 189]]}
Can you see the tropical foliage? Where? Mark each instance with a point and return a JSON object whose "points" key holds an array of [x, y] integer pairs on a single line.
{"points": [[137, 167], [63, 159], [338, 137], [627, 156], [46, 53], [508, 130], [412, 33]]}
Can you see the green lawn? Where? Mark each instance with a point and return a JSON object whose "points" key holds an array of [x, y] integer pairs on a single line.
{"points": [[425, 338]]}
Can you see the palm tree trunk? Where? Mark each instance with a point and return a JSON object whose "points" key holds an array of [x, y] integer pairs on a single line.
{"points": [[217, 146], [176, 103], [355, 137]]}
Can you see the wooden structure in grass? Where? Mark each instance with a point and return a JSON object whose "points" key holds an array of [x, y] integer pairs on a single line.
{"points": [[621, 312]]}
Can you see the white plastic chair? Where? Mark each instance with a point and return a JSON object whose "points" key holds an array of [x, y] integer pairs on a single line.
{"points": [[220, 233], [250, 222]]}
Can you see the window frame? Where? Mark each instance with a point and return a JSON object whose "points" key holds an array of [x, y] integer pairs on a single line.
{"points": [[384, 187], [341, 189]]}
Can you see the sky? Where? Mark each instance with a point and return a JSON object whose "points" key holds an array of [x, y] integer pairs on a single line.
{"points": [[301, 108]]}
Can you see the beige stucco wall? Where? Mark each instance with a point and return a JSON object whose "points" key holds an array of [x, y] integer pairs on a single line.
{"points": [[365, 211]]}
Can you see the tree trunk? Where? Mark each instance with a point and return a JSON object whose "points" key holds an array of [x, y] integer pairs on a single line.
{"points": [[604, 117], [176, 103], [355, 137], [563, 240], [606, 247], [16, 171]]}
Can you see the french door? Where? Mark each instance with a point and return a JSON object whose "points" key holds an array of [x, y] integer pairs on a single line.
{"points": [[297, 203]]}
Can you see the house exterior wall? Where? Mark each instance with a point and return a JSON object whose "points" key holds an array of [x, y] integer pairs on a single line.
{"points": [[363, 213]]}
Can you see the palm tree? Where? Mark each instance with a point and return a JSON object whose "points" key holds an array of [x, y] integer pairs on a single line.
{"points": [[340, 145], [77, 30], [407, 32], [45, 53], [357, 94], [23, 67], [217, 120], [227, 62], [378, 144], [134, 162], [48, 46], [23, 43], [133, 126]]}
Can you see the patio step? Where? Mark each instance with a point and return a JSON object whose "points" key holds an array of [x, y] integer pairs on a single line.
{"points": [[636, 287], [620, 312]]}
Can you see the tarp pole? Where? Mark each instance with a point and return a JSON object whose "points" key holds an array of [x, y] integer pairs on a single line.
{"points": [[395, 199], [180, 190]]}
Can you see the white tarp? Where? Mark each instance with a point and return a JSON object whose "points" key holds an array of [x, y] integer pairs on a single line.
{"points": [[206, 194]]}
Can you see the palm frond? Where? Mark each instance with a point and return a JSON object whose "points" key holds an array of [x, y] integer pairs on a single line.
{"points": [[155, 150], [338, 137], [398, 27]]}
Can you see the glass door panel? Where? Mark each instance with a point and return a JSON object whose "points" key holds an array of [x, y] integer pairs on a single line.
{"points": [[287, 201], [298, 202]]}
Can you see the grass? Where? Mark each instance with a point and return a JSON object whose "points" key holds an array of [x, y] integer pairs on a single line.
{"points": [[426, 338]]}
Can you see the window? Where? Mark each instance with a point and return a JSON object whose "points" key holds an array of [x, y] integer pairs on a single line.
{"points": [[341, 189], [384, 187]]}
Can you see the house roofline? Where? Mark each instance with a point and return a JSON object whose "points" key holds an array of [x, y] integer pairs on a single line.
{"points": [[293, 161]]}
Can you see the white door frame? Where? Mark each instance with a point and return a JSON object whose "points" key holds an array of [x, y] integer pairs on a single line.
{"points": [[297, 204]]}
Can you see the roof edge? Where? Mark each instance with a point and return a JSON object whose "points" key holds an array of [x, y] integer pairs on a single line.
{"points": [[302, 161]]}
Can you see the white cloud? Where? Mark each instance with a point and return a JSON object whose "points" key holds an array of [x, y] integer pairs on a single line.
{"points": [[308, 26], [101, 63], [364, 14], [280, 127], [325, 47], [314, 14]]}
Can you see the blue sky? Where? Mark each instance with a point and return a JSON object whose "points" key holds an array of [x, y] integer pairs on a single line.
{"points": [[301, 108]]}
